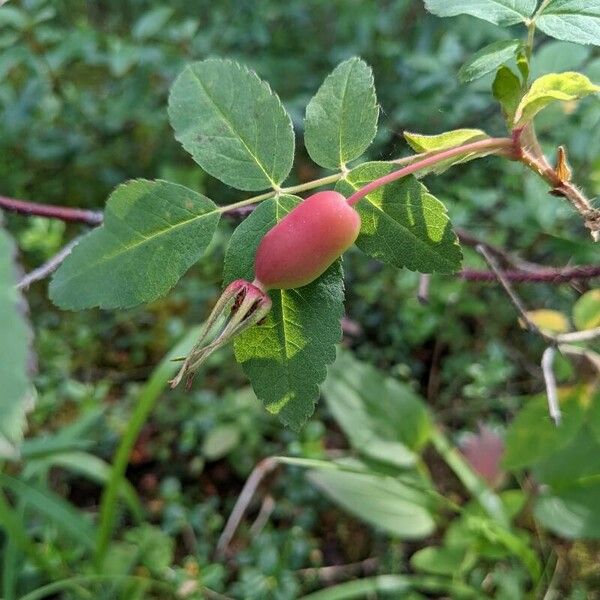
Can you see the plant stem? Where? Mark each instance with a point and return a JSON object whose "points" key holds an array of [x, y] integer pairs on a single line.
{"points": [[488, 500], [481, 146], [146, 402]]}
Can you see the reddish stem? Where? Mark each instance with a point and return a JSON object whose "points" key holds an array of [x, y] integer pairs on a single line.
{"points": [[64, 213], [433, 159], [544, 275]]}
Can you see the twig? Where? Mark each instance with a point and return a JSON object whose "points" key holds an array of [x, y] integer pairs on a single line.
{"points": [[262, 469], [552, 275], [333, 573], [423, 291], [579, 336], [266, 509], [63, 213], [48, 267], [518, 303], [550, 380]]}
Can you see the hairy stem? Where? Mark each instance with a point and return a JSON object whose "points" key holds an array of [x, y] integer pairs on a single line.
{"points": [[481, 146]]}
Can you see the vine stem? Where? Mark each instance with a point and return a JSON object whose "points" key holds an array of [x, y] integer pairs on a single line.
{"points": [[481, 146], [63, 213]]}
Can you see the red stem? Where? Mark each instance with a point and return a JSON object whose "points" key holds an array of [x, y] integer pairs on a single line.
{"points": [[64, 213], [544, 275], [434, 159]]}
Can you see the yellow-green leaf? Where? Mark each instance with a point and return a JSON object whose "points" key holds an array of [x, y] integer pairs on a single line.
{"points": [[549, 320], [586, 312], [563, 87]]}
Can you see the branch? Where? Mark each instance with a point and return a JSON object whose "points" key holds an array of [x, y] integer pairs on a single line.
{"points": [[48, 267], [550, 380], [63, 213], [542, 275]]}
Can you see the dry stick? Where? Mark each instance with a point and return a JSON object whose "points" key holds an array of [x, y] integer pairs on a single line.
{"points": [[552, 275], [262, 469], [266, 510], [423, 291], [333, 573], [48, 267], [550, 380]]}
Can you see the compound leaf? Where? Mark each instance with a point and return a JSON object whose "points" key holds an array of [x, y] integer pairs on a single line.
{"points": [[153, 232], [232, 124], [402, 223], [341, 119], [286, 356]]}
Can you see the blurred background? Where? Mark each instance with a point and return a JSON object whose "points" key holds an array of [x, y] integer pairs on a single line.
{"points": [[83, 93]]}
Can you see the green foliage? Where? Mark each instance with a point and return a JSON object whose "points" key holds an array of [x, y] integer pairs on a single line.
{"points": [[586, 311], [507, 90], [488, 59], [500, 12], [443, 141], [15, 388], [142, 249], [572, 20], [402, 223], [232, 124], [286, 357], [386, 503], [550, 88], [390, 425], [341, 119]]}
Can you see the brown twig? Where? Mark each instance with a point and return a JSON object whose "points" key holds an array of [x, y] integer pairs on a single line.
{"points": [[63, 213], [262, 469], [553, 275]]}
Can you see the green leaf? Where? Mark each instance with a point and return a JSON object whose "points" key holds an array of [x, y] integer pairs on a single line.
{"points": [[402, 223], [442, 141], [152, 22], [15, 340], [499, 12], [532, 436], [341, 119], [571, 513], [220, 441], [439, 561], [153, 232], [381, 586], [586, 312], [551, 88], [488, 59], [381, 501], [572, 20], [232, 124], [66, 517], [383, 419], [286, 357], [507, 90]]}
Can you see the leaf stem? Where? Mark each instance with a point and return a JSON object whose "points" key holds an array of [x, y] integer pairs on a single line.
{"points": [[500, 144]]}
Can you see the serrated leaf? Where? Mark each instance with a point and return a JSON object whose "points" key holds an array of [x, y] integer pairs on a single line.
{"points": [[507, 90], [572, 20], [499, 12], [586, 311], [383, 419], [232, 124], [442, 141], [551, 88], [341, 119], [153, 232], [15, 340], [286, 357], [402, 224], [488, 59], [381, 501]]}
